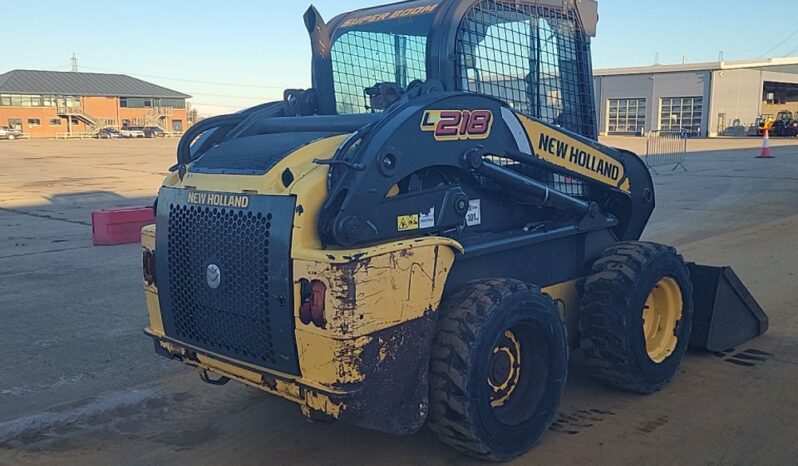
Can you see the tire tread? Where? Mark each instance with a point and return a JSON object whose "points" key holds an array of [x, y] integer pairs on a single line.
{"points": [[462, 316], [603, 323]]}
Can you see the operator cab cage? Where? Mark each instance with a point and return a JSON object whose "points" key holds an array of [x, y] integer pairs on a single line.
{"points": [[532, 54]]}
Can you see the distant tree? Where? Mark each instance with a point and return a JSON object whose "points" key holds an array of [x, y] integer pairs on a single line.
{"points": [[193, 116]]}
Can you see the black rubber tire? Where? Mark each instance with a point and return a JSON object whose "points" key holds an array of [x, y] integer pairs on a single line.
{"points": [[611, 320], [470, 324]]}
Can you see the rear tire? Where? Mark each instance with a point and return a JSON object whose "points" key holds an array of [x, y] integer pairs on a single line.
{"points": [[637, 316], [498, 369]]}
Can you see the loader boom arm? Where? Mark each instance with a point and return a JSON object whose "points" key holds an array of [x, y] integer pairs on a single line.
{"points": [[424, 164]]}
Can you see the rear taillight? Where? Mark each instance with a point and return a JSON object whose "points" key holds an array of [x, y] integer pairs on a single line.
{"points": [[149, 267], [312, 294]]}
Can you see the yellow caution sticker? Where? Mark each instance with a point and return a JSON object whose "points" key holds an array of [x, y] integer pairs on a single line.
{"points": [[408, 222]]}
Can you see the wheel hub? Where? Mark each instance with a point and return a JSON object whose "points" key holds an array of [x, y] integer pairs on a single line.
{"points": [[504, 369], [661, 316]]}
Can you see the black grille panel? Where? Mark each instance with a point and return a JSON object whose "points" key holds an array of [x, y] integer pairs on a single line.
{"points": [[248, 316]]}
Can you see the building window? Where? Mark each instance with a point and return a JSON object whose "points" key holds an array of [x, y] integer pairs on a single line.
{"points": [[32, 101], [34, 122], [177, 126], [15, 100], [139, 102], [55, 122], [15, 123], [682, 114], [627, 116], [173, 103]]}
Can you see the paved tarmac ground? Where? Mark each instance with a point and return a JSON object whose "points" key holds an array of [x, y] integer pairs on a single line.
{"points": [[80, 384]]}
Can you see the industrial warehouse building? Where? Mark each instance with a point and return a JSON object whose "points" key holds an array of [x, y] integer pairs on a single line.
{"points": [[48, 103], [705, 99]]}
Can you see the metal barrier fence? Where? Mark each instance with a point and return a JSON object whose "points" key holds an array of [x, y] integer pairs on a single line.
{"points": [[666, 149], [75, 135]]}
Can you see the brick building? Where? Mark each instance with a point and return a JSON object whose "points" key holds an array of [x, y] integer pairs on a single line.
{"points": [[44, 104]]}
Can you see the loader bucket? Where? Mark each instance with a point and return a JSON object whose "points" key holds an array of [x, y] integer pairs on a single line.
{"points": [[726, 314]]}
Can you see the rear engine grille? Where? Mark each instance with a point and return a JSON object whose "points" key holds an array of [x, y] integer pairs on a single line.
{"points": [[235, 319], [247, 314]]}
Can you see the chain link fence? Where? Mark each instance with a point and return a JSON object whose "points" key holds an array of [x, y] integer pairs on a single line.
{"points": [[666, 149]]}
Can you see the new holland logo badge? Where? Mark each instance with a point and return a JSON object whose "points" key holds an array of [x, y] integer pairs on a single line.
{"points": [[213, 276], [236, 201]]}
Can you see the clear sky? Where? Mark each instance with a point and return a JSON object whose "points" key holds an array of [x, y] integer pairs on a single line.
{"points": [[237, 53]]}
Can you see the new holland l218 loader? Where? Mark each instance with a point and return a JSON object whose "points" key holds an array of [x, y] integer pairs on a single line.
{"points": [[426, 234]]}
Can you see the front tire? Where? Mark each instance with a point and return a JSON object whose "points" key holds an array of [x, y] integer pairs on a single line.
{"points": [[637, 316], [498, 369]]}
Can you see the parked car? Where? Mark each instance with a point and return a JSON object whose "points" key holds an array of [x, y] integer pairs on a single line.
{"points": [[108, 133], [132, 132], [154, 132], [9, 133]]}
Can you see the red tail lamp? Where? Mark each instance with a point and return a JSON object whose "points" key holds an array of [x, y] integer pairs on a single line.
{"points": [[149, 268], [312, 308]]}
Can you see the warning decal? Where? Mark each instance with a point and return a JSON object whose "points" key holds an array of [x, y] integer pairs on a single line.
{"points": [[474, 215], [407, 222], [428, 219]]}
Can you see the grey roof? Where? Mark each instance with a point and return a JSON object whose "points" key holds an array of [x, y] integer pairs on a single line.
{"points": [[81, 84], [785, 65]]}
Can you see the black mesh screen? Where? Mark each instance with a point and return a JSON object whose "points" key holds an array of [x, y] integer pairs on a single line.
{"points": [[535, 58], [236, 319], [562, 183], [362, 59]]}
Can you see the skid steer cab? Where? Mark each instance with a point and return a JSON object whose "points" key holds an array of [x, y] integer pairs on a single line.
{"points": [[426, 234]]}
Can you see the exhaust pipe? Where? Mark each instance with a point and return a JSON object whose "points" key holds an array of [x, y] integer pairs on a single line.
{"points": [[320, 44]]}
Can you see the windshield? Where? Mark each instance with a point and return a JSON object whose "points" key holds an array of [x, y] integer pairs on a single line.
{"points": [[386, 45]]}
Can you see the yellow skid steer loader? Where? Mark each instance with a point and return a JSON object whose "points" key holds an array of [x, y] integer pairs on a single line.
{"points": [[426, 234]]}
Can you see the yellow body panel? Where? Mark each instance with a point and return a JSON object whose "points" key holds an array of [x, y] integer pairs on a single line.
{"points": [[368, 295], [374, 293], [300, 163], [567, 296]]}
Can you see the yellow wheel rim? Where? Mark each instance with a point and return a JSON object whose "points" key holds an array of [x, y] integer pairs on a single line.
{"points": [[505, 369], [661, 316]]}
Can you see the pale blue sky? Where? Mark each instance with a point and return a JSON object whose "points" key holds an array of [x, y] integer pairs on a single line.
{"points": [[236, 53]]}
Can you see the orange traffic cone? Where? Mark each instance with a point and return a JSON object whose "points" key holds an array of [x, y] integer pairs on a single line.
{"points": [[766, 147]]}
